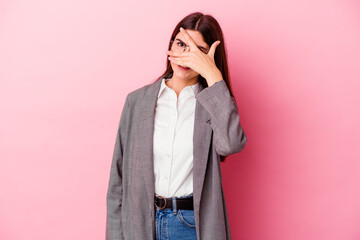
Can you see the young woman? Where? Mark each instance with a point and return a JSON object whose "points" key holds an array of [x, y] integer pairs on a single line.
{"points": [[165, 179]]}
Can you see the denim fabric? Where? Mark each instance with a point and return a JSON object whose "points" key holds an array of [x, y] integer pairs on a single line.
{"points": [[173, 223]]}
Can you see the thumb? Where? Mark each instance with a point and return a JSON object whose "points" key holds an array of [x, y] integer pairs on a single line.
{"points": [[213, 48]]}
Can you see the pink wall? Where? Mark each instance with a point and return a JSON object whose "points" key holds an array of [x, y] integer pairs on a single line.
{"points": [[66, 67]]}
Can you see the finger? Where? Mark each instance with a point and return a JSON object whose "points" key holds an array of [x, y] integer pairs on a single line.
{"points": [[177, 61], [189, 40], [176, 54], [213, 48]]}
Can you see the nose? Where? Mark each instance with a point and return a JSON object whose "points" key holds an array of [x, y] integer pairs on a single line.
{"points": [[187, 47]]}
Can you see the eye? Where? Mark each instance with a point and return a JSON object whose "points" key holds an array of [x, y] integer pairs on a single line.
{"points": [[181, 44]]}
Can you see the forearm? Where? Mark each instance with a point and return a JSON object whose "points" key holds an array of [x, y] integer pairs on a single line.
{"points": [[229, 136]]}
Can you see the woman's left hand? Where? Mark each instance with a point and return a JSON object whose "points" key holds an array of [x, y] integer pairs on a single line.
{"points": [[200, 62]]}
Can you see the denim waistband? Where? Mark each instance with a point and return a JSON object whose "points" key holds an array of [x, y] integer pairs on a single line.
{"points": [[174, 208]]}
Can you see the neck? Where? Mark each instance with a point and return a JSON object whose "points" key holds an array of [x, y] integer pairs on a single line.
{"points": [[177, 83]]}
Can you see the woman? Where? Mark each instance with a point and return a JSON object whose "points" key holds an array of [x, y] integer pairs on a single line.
{"points": [[165, 179]]}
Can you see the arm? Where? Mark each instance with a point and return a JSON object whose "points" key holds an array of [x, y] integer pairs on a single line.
{"points": [[114, 193], [229, 136]]}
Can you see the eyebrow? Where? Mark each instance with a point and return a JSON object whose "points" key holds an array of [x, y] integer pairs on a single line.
{"points": [[198, 46]]}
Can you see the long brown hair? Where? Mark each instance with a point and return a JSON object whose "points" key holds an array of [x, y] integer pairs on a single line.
{"points": [[211, 32]]}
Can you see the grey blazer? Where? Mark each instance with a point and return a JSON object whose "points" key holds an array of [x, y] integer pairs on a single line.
{"points": [[131, 189]]}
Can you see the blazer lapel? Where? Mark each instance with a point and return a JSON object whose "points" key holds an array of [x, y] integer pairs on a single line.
{"points": [[144, 147]]}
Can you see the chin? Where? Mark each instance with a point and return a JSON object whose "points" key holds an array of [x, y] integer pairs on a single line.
{"points": [[187, 75], [184, 74]]}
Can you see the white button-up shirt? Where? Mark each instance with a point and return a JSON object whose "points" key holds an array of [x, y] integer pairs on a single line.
{"points": [[173, 140]]}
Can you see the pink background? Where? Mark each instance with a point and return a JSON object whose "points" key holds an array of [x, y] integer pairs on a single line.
{"points": [[67, 66]]}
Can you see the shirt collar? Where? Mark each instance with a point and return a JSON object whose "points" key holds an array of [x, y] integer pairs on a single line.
{"points": [[194, 87]]}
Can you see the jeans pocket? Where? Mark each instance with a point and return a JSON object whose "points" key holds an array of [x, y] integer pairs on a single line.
{"points": [[186, 217]]}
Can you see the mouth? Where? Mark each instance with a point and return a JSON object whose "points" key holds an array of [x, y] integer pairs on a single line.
{"points": [[184, 68]]}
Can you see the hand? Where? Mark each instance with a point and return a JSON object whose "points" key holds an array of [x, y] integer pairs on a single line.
{"points": [[200, 62]]}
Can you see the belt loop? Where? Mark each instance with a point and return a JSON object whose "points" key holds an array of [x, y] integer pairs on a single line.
{"points": [[174, 205]]}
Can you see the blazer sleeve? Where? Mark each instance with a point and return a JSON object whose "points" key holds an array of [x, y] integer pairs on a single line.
{"points": [[229, 136], [114, 193]]}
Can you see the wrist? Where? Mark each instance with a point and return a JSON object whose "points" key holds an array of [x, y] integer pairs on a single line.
{"points": [[213, 77]]}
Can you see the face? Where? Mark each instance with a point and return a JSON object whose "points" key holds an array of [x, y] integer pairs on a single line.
{"points": [[181, 41]]}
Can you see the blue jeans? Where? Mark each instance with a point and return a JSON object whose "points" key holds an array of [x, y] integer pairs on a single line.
{"points": [[173, 223]]}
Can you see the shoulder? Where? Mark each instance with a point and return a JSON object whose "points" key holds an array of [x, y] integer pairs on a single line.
{"points": [[135, 97]]}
